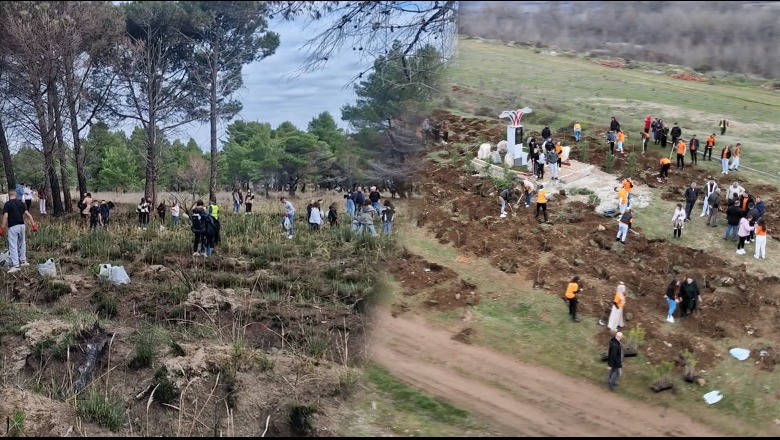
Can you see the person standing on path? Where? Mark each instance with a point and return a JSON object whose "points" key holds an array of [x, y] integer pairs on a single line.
{"points": [[14, 215], [724, 123], [691, 195], [760, 240], [248, 201], [573, 290], [712, 201], [693, 145], [678, 220], [672, 299], [615, 360], [616, 315], [708, 145]]}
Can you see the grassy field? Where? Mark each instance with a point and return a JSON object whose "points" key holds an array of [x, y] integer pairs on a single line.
{"points": [[563, 89]]}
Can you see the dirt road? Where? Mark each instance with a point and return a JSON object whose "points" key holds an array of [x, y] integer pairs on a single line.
{"points": [[519, 399]]}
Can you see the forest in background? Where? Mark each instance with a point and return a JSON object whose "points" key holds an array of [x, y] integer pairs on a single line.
{"points": [[738, 37]]}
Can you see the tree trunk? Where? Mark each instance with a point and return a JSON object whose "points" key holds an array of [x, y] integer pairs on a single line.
{"points": [[150, 187], [8, 165], [53, 191], [55, 117], [213, 120], [78, 154]]}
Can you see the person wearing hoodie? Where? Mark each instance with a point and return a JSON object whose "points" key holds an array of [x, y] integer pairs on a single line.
{"points": [[366, 218], [615, 360], [614, 125], [672, 298], [693, 146], [611, 138], [735, 189], [678, 219], [676, 134], [712, 202], [744, 233], [709, 188], [691, 296], [753, 213], [546, 133]]}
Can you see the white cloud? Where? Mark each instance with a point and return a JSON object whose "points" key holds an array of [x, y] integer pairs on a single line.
{"points": [[270, 95]]}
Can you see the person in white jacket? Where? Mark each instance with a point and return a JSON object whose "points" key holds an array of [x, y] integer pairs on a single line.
{"points": [[678, 220], [735, 188], [709, 188], [315, 218]]}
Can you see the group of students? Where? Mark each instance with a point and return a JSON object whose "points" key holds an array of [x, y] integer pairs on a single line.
{"points": [[547, 153], [509, 195], [439, 132], [239, 199]]}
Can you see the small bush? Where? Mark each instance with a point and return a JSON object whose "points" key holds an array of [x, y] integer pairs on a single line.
{"points": [[16, 423], [316, 344], [584, 153], [609, 163], [265, 363], [635, 337], [145, 346], [348, 381], [300, 419], [105, 411], [53, 289], [166, 391], [630, 165], [106, 305]]}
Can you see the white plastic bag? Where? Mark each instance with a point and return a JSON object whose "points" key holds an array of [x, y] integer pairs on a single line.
{"points": [[47, 269], [104, 271], [286, 223], [118, 275], [5, 259]]}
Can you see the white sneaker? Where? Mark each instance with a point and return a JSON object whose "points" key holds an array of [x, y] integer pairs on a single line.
{"points": [[14, 269], [25, 264], [670, 319], [290, 236], [756, 257], [701, 215], [503, 215], [196, 254]]}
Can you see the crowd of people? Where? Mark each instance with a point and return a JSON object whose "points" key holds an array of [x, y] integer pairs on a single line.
{"points": [[438, 132]]}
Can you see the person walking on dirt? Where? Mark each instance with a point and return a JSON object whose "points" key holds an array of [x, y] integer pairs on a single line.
{"points": [[723, 125], [620, 137], [577, 131], [735, 157], [366, 219], [614, 125], [712, 201], [94, 216], [573, 290], [664, 137], [693, 145], [333, 216], [676, 133], [445, 131], [733, 217], [691, 195], [709, 188], [624, 224], [616, 315], [14, 215], [744, 233], [645, 141], [541, 202], [672, 299], [315, 217], [708, 145], [678, 221], [628, 185], [680, 154], [725, 155], [546, 133], [105, 212], [540, 162], [760, 240], [611, 138], [375, 196], [665, 165], [691, 296], [648, 123], [615, 360]]}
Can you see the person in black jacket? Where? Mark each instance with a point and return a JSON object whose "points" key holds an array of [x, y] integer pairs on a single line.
{"points": [[615, 360], [733, 216], [693, 146], [676, 134], [691, 194], [614, 125], [546, 133], [690, 295]]}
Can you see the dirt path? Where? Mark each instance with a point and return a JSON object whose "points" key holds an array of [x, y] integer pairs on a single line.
{"points": [[519, 399]]}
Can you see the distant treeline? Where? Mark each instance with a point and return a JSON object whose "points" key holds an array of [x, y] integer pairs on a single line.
{"points": [[739, 37]]}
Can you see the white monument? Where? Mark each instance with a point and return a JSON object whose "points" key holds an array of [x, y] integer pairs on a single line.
{"points": [[514, 134]]}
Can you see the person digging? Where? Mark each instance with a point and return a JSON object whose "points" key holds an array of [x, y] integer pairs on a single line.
{"points": [[573, 290], [541, 202]]}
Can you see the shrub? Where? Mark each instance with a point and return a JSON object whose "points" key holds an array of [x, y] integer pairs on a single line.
{"points": [[584, 153], [16, 423], [630, 165], [609, 163], [106, 411], [145, 345]]}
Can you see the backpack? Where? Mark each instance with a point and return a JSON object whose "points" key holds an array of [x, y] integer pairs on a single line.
{"points": [[198, 220]]}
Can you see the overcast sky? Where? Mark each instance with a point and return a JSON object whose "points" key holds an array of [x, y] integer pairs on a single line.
{"points": [[270, 96]]}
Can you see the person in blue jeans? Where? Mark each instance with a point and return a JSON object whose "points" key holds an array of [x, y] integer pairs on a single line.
{"points": [[528, 189], [672, 298], [733, 216], [350, 203], [388, 214], [374, 196]]}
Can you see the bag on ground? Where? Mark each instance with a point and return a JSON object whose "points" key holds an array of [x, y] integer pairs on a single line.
{"points": [[5, 259], [47, 269]]}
